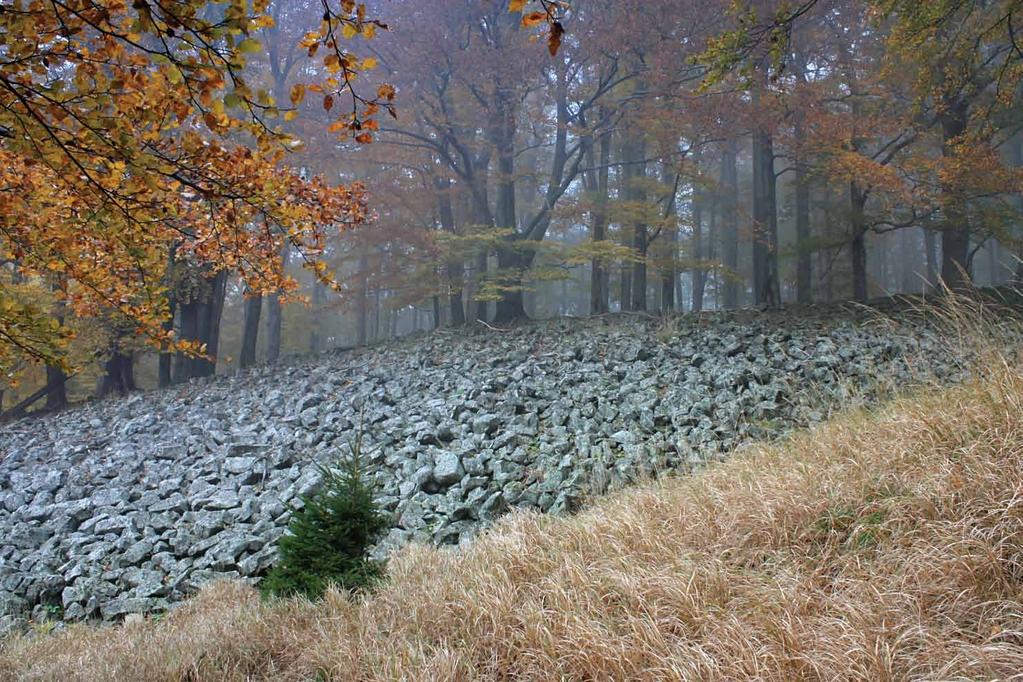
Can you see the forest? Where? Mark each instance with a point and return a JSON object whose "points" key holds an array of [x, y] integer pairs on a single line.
{"points": [[511, 340], [451, 163]]}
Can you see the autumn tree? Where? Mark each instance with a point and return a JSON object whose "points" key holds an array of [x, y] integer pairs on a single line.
{"points": [[126, 132], [950, 66]]}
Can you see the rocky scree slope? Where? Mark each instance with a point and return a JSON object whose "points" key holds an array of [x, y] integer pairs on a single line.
{"points": [[128, 505]]}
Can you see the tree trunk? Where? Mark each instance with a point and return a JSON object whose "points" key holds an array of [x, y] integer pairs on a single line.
{"points": [[210, 314], [804, 261], [909, 253], [699, 274], [955, 256], [532, 232], [636, 158], [711, 271], [479, 307], [931, 253], [274, 319], [454, 267], [879, 266], [955, 235], [50, 387], [362, 301], [858, 227], [639, 269], [670, 273], [163, 371], [598, 186], [730, 224], [827, 281], [668, 280], [165, 362], [993, 261], [189, 317], [316, 336], [200, 322], [511, 305], [625, 287], [376, 313], [119, 375], [456, 305], [482, 220], [765, 221], [250, 330], [56, 397]]}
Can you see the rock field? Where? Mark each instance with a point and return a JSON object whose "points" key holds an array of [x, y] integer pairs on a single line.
{"points": [[128, 505]]}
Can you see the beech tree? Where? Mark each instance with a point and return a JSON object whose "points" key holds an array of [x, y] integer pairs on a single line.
{"points": [[120, 131], [963, 63]]}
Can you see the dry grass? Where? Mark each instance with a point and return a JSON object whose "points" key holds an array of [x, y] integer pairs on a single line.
{"points": [[881, 546]]}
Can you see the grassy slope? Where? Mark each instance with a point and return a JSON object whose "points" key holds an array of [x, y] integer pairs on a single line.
{"points": [[880, 546]]}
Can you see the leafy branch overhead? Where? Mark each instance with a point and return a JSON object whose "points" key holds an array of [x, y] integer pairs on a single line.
{"points": [[121, 130]]}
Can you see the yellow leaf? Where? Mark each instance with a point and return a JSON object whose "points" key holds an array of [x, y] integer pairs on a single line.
{"points": [[297, 93], [290, 115], [516, 5], [369, 63], [249, 45]]}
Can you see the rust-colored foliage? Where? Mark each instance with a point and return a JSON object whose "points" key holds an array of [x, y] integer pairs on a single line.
{"points": [[128, 130]]}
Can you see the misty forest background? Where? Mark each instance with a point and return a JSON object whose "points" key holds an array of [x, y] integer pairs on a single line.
{"points": [[615, 176]]}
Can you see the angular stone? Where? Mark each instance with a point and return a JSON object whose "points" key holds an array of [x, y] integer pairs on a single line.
{"points": [[239, 465], [12, 604], [10, 624], [447, 469], [137, 553], [309, 418], [485, 424], [221, 499], [494, 506], [122, 606]]}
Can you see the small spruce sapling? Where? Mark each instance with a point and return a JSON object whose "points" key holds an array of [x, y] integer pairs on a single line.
{"points": [[329, 538]]}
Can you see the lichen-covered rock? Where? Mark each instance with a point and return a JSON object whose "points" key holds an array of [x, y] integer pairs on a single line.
{"points": [[447, 469]]}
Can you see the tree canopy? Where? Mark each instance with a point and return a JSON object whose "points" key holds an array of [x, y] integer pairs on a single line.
{"points": [[172, 165], [128, 130]]}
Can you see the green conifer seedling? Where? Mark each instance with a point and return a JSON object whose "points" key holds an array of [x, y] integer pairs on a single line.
{"points": [[329, 538]]}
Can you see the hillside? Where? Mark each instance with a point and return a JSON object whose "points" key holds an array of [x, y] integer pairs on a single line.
{"points": [[882, 545], [128, 506]]}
